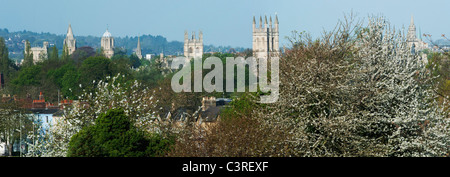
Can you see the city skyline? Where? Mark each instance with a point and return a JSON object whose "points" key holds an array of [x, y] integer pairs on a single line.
{"points": [[223, 23]]}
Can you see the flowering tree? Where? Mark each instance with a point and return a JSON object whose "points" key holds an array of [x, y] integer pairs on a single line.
{"points": [[113, 93], [401, 93], [357, 92]]}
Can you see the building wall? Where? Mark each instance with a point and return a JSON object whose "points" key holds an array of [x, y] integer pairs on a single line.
{"points": [[265, 38], [193, 47], [107, 44]]}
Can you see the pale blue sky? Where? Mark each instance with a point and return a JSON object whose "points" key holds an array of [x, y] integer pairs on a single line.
{"points": [[222, 22]]}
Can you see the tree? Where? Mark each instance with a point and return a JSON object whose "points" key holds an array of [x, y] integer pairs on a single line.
{"points": [[94, 68], [81, 54], [65, 53], [5, 62], [27, 55], [136, 101], [14, 125], [114, 135], [134, 61], [357, 91], [54, 53]]}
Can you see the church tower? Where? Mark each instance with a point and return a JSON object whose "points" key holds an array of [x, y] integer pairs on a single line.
{"points": [[107, 44], [193, 48], [411, 36], [70, 41], [413, 42], [265, 38], [138, 49]]}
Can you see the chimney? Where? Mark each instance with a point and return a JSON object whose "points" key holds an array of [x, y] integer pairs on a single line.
{"points": [[208, 102]]}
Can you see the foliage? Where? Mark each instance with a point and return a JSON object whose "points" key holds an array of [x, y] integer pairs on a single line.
{"points": [[14, 125], [237, 133], [136, 101], [113, 135], [357, 93]]}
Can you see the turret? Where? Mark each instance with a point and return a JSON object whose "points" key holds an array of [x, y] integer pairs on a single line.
{"points": [[270, 23], [265, 22], [276, 22], [254, 23], [260, 22]]}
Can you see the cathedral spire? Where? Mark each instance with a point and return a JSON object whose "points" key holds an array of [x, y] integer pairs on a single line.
{"points": [[276, 19], [69, 31], [138, 49], [411, 35]]}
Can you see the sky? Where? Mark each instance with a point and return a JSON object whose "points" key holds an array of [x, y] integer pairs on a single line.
{"points": [[227, 23]]}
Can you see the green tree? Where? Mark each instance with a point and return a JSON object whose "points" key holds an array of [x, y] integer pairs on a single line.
{"points": [[69, 86], [94, 68], [54, 53], [5, 62], [28, 76], [114, 135], [134, 61], [65, 53]]}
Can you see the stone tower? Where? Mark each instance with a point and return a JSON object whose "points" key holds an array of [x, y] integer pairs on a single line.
{"points": [[138, 51], [70, 41], [193, 48], [39, 53], [107, 44], [265, 38], [411, 38]]}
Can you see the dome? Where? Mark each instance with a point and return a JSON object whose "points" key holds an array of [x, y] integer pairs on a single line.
{"points": [[107, 34]]}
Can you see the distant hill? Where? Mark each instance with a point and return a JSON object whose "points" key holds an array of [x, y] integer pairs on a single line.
{"points": [[149, 44], [442, 42]]}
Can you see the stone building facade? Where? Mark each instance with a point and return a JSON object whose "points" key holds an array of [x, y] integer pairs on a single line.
{"points": [[413, 42], [266, 38], [193, 48], [107, 44], [39, 53], [70, 41]]}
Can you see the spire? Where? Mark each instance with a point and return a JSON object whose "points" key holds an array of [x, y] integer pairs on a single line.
{"points": [[138, 49], [254, 22], [411, 35], [265, 20], [276, 18], [69, 31], [260, 22], [139, 43]]}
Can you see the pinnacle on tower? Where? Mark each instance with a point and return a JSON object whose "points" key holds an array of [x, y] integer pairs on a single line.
{"points": [[69, 31], [260, 22], [276, 19], [265, 20], [254, 22]]}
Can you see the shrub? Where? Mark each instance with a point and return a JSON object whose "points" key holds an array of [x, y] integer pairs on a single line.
{"points": [[113, 135]]}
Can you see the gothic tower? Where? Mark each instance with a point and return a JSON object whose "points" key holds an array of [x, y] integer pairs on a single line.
{"points": [[138, 49], [70, 41], [416, 44], [265, 39], [193, 48], [107, 44], [411, 36]]}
